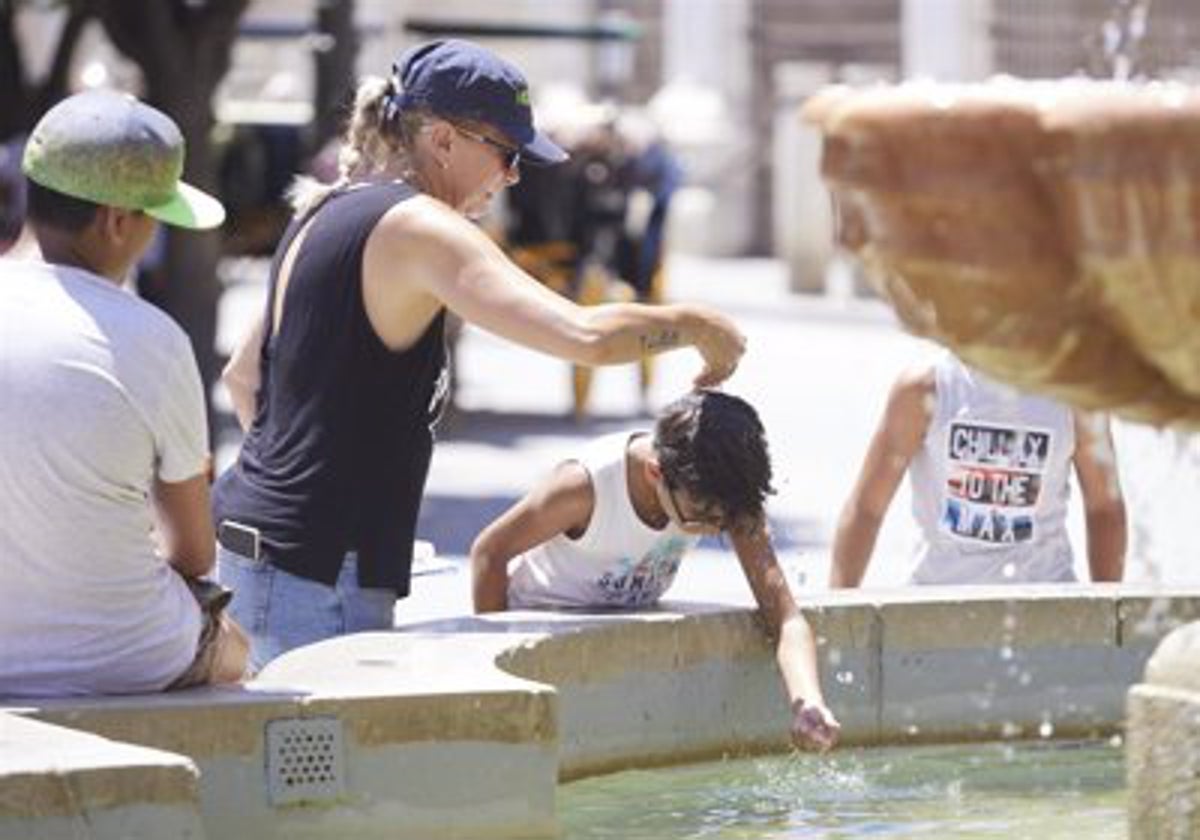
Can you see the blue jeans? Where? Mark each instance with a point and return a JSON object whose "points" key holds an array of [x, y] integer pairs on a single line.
{"points": [[280, 611]]}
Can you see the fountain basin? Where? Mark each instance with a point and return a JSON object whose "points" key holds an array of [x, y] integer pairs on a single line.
{"points": [[464, 728]]}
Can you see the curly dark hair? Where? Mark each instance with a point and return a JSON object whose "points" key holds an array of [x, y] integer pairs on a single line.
{"points": [[712, 446]]}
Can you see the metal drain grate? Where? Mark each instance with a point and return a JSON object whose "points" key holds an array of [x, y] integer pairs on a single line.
{"points": [[305, 760]]}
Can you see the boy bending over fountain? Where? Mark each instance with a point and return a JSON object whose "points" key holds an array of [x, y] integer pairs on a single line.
{"points": [[609, 529]]}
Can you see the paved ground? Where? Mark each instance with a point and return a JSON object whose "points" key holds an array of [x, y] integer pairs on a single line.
{"points": [[817, 369]]}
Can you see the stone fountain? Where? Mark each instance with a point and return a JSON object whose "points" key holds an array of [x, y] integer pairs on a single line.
{"points": [[1048, 232]]}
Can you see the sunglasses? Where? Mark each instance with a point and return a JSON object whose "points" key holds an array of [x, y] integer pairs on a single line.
{"points": [[705, 519], [510, 156]]}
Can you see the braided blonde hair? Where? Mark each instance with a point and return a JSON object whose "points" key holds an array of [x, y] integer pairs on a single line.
{"points": [[378, 140]]}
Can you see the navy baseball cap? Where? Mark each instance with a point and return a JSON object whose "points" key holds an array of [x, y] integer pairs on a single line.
{"points": [[454, 78]]}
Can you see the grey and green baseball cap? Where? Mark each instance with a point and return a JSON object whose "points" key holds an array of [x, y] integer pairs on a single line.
{"points": [[110, 149]]}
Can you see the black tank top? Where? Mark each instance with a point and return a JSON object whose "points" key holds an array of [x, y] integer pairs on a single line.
{"points": [[338, 454]]}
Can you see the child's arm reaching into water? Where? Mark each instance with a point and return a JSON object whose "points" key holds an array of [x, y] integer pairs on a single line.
{"points": [[813, 724], [559, 504]]}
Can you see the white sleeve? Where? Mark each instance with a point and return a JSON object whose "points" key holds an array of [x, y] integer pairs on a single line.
{"points": [[181, 420]]}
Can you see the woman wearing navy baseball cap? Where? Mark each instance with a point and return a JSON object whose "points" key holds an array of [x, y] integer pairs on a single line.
{"points": [[339, 385]]}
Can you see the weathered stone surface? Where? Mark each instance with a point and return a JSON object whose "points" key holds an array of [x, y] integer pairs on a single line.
{"points": [[1163, 743]]}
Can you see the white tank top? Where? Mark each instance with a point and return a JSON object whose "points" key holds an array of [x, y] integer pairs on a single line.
{"points": [[619, 561], [990, 483]]}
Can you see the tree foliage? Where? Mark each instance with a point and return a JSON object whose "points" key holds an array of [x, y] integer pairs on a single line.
{"points": [[23, 99], [183, 48]]}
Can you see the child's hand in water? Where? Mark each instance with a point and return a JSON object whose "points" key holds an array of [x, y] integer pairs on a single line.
{"points": [[813, 726]]}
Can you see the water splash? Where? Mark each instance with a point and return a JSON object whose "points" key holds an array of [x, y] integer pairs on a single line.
{"points": [[1160, 478], [1040, 789], [1123, 33]]}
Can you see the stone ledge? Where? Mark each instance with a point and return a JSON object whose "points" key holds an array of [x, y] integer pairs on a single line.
{"points": [[1162, 757], [1176, 662], [58, 780], [520, 699], [195, 722]]}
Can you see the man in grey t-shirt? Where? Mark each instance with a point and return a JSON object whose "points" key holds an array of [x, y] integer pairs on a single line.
{"points": [[102, 424]]}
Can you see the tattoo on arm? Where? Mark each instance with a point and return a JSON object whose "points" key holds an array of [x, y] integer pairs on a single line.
{"points": [[662, 340]]}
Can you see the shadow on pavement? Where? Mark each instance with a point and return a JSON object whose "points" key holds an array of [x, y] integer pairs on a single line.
{"points": [[451, 523]]}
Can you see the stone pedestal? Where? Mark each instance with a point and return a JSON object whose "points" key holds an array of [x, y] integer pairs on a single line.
{"points": [[1163, 745]]}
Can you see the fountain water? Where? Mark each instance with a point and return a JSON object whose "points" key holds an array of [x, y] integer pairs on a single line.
{"points": [[1123, 34]]}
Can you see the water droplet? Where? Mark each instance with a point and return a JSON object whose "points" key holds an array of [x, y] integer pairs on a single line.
{"points": [[1009, 570], [912, 729], [1009, 729], [845, 677], [1010, 621], [1116, 741], [942, 101], [1006, 652], [1026, 678], [1046, 729]]}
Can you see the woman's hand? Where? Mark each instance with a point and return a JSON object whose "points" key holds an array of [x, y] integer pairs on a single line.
{"points": [[721, 344]]}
